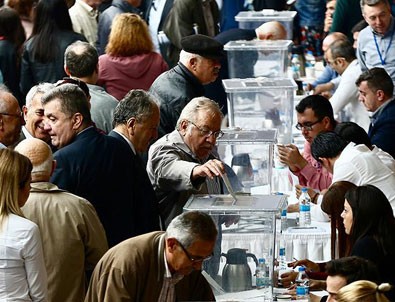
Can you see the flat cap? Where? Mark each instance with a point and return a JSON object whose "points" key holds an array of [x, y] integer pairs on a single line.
{"points": [[204, 46]]}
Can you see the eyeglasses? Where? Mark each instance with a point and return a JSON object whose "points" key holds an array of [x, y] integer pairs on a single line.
{"points": [[18, 115], [191, 258], [207, 133], [307, 126]]}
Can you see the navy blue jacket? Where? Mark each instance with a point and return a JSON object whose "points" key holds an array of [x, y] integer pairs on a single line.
{"points": [[382, 129], [100, 169], [146, 213]]}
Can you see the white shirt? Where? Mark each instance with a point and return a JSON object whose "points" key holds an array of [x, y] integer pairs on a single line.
{"points": [[84, 20], [155, 16], [359, 165], [22, 271], [346, 97]]}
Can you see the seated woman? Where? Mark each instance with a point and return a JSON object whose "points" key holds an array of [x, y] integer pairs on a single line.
{"points": [[21, 263], [333, 205], [363, 290], [130, 61], [369, 221]]}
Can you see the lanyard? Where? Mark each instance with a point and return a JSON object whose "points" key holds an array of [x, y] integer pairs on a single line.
{"points": [[388, 47]]}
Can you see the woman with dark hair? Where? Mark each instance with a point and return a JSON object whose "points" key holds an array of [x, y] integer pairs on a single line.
{"points": [[42, 59], [130, 61], [369, 221], [12, 36], [333, 205]]}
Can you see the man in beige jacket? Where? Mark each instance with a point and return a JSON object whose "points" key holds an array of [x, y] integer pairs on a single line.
{"points": [[73, 237]]}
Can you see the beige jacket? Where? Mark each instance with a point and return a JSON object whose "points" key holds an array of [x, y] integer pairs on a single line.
{"points": [[73, 239]]}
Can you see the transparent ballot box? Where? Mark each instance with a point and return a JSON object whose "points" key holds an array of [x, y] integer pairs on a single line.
{"points": [[252, 19], [251, 59], [249, 153], [262, 103], [247, 233]]}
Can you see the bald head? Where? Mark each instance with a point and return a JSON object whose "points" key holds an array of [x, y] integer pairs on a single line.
{"points": [[40, 155], [332, 37], [272, 30], [10, 118]]}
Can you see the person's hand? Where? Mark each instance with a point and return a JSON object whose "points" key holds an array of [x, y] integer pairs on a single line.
{"points": [[310, 191], [293, 208], [290, 156], [210, 169], [310, 265], [287, 279], [319, 89]]}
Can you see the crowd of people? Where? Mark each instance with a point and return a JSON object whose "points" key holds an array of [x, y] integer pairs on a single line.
{"points": [[109, 116]]}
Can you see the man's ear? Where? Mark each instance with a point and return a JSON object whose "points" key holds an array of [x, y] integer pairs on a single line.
{"points": [[131, 124], [171, 244], [77, 120], [66, 70], [183, 127], [380, 95]]}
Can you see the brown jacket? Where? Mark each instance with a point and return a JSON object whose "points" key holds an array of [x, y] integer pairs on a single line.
{"points": [[133, 271]]}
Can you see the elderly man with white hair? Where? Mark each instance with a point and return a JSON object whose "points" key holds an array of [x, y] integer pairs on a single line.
{"points": [[199, 65]]}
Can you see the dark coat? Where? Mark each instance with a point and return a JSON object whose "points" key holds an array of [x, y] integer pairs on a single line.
{"points": [[146, 213], [382, 129], [173, 90], [100, 169]]}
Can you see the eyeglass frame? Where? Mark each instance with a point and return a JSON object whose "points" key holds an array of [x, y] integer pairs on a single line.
{"points": [[309, 127], [191, 258], [207, 133]]}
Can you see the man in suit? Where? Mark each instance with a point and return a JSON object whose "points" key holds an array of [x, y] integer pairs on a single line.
{"points": [[11, 119], [90, 164], [75, 241], [136, 120], [375, 92]]}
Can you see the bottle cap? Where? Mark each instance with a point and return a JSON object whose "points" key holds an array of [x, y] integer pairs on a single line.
{"points": [[261, 260], [300, 290], [302, 269], [304, 190]]}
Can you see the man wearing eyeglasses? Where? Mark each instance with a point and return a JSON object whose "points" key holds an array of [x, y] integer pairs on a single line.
{"points": [[158, 266], [183, 162], [315, 115], [11, 118]]}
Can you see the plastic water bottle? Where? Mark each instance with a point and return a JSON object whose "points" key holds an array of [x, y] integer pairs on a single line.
{"points": [[295, 66], [262, 274], [284, 221], [301, 294], [310, 64], [304, 208], [302, 279]]}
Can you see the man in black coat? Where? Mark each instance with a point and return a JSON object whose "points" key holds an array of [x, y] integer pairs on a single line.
{"points": [[136, 120], [90, 164]]}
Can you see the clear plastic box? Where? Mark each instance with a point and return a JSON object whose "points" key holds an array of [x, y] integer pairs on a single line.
{"points": [[251, 59], [250, 155], [247, 226], [252, 19], [262, 103]]}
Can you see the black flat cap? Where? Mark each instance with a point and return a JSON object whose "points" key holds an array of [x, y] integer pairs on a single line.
{"points": [[204, 46]]}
